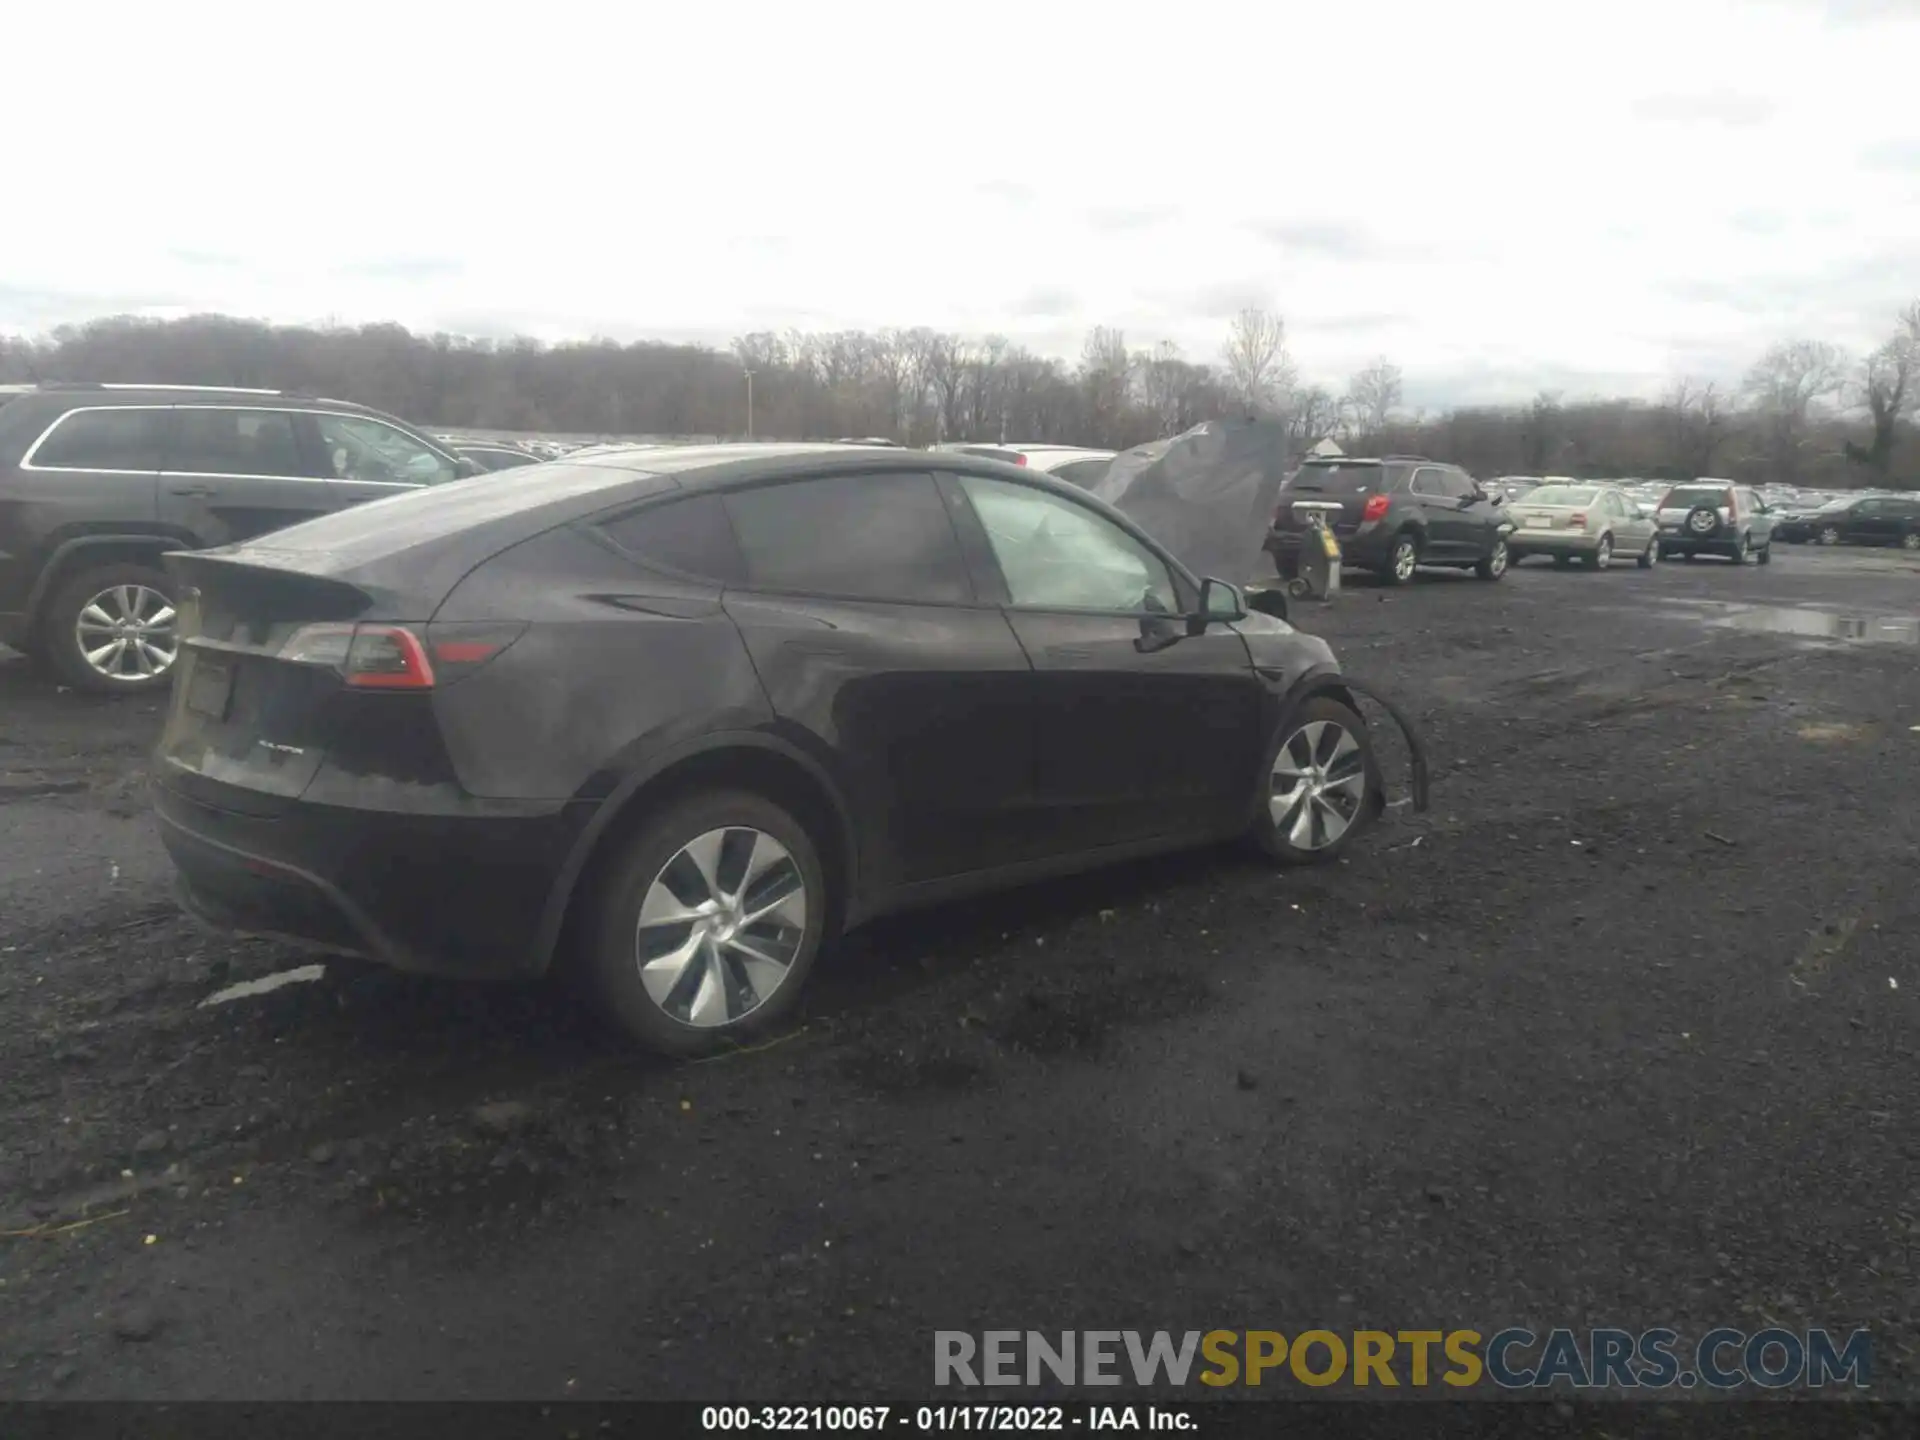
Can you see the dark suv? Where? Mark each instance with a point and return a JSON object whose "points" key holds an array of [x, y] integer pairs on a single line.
{"points": [[97, 482], [676, 716], [1395, 514]]}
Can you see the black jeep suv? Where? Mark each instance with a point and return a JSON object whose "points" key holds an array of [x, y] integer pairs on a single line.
{"points": [[97, 482], [1393, 514]]}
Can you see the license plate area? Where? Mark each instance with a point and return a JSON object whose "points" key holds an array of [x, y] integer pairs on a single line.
{"points": [[210, 688]]}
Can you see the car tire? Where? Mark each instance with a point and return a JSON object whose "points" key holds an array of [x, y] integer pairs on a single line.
{"points": [[691, 854], [1650, 556], [1499, 560], [1602, 557], [1292, 791], [1741, 550], [1764, 555], [96, 599], [1830, 535], [1402, 558], [1910, 541]]}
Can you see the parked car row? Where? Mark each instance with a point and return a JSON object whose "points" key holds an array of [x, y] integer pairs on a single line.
{"points": [[1397, 513], [1855, 520]]}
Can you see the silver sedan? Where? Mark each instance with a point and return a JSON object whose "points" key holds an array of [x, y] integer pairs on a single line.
{"points": [[1589, 523]]}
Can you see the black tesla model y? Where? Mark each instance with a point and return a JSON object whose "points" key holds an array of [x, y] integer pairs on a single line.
{"points": [[679, 716]]}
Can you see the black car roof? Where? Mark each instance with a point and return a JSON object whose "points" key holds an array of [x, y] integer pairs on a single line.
{"points": [[713, 467]]}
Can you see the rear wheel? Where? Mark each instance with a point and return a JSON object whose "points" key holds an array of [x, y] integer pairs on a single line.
{"points": [[113, 630], [708, 921], [1602, 556], [1830, 535], [1650, 556], [1741, 550], [1910, 541], [1496, 564], [1321, 785], [1764, 554], [1401, 560]]}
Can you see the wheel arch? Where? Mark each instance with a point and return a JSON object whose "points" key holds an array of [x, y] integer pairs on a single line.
{"points": [[73, 555], [748, 760]]}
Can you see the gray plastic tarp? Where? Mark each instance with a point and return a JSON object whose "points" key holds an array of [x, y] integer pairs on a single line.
{"points": [[1207, 495]]}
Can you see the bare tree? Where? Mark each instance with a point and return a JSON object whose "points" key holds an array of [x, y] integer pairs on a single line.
{"points": [[1786, 386], [1889, 390], [1106, 377], [1375, 392], [1313, 414], [1697, 420], [1258, 366]]}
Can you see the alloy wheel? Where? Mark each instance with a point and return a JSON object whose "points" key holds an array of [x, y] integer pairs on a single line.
{"points": [[720, 927], [128, 633], [1830, 536], [1603, 557], [1404, 560], [1498, 561], [1910, 542], [1319, 784]]}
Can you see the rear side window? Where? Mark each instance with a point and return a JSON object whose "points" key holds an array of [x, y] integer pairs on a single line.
{"points": [[235, 442], [103, 440], [870, 537], [690, 536]]}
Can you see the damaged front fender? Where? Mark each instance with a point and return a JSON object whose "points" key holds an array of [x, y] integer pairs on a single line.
{"points": [[1333, 682]]}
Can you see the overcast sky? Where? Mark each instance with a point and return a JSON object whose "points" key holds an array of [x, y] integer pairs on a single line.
{"points": [[1501, 195]]}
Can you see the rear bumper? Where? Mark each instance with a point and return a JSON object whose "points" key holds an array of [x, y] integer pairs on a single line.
{"points": [[1552, 542], [432, 894], [1367, 545], [1679, 542]]}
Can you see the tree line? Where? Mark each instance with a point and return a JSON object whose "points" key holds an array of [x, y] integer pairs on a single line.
{"points": [[1805, 412]]}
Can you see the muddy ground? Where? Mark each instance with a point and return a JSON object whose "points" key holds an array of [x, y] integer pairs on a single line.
{"points": [[1621, 1033]]}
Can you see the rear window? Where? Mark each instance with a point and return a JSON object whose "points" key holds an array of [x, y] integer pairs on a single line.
{"points": [[1337, 479], [1685, 497], [102, 440], [1562, 495]]}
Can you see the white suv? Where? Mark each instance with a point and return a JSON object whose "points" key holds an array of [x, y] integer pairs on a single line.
{"points": [[1715, 517]]}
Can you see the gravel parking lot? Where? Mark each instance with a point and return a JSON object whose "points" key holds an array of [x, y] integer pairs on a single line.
{"points": [[1620, 1033]]}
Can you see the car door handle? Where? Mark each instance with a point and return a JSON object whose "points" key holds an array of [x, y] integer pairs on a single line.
{"points": [[200, 490]]}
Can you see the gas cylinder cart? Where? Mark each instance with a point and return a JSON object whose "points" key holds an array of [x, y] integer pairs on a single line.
{"points": [[1315, 571]]}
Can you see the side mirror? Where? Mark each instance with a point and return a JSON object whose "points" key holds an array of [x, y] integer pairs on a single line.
{"points": [[1219, 601], [467, 466]]}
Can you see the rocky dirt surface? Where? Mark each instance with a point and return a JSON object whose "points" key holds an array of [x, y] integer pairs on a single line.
{"points": [[1620, 1033]]}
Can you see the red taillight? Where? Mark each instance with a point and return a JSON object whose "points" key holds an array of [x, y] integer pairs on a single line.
{"points": [[1577, 520], [393, 657], [368, 657], [1019, 459], [1375, 509]]}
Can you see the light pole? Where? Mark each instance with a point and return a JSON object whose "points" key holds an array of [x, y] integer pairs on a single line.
{"points": [[749, 374]]}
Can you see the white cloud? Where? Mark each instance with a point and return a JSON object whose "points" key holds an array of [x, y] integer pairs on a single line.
{"points": [[1487, 191]]}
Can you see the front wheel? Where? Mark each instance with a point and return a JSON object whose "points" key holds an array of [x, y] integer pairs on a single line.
{"points": [[708, 921], [1910, 541], [1830, 535], [1496, 563], [1321, 785], [114, 630]]}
